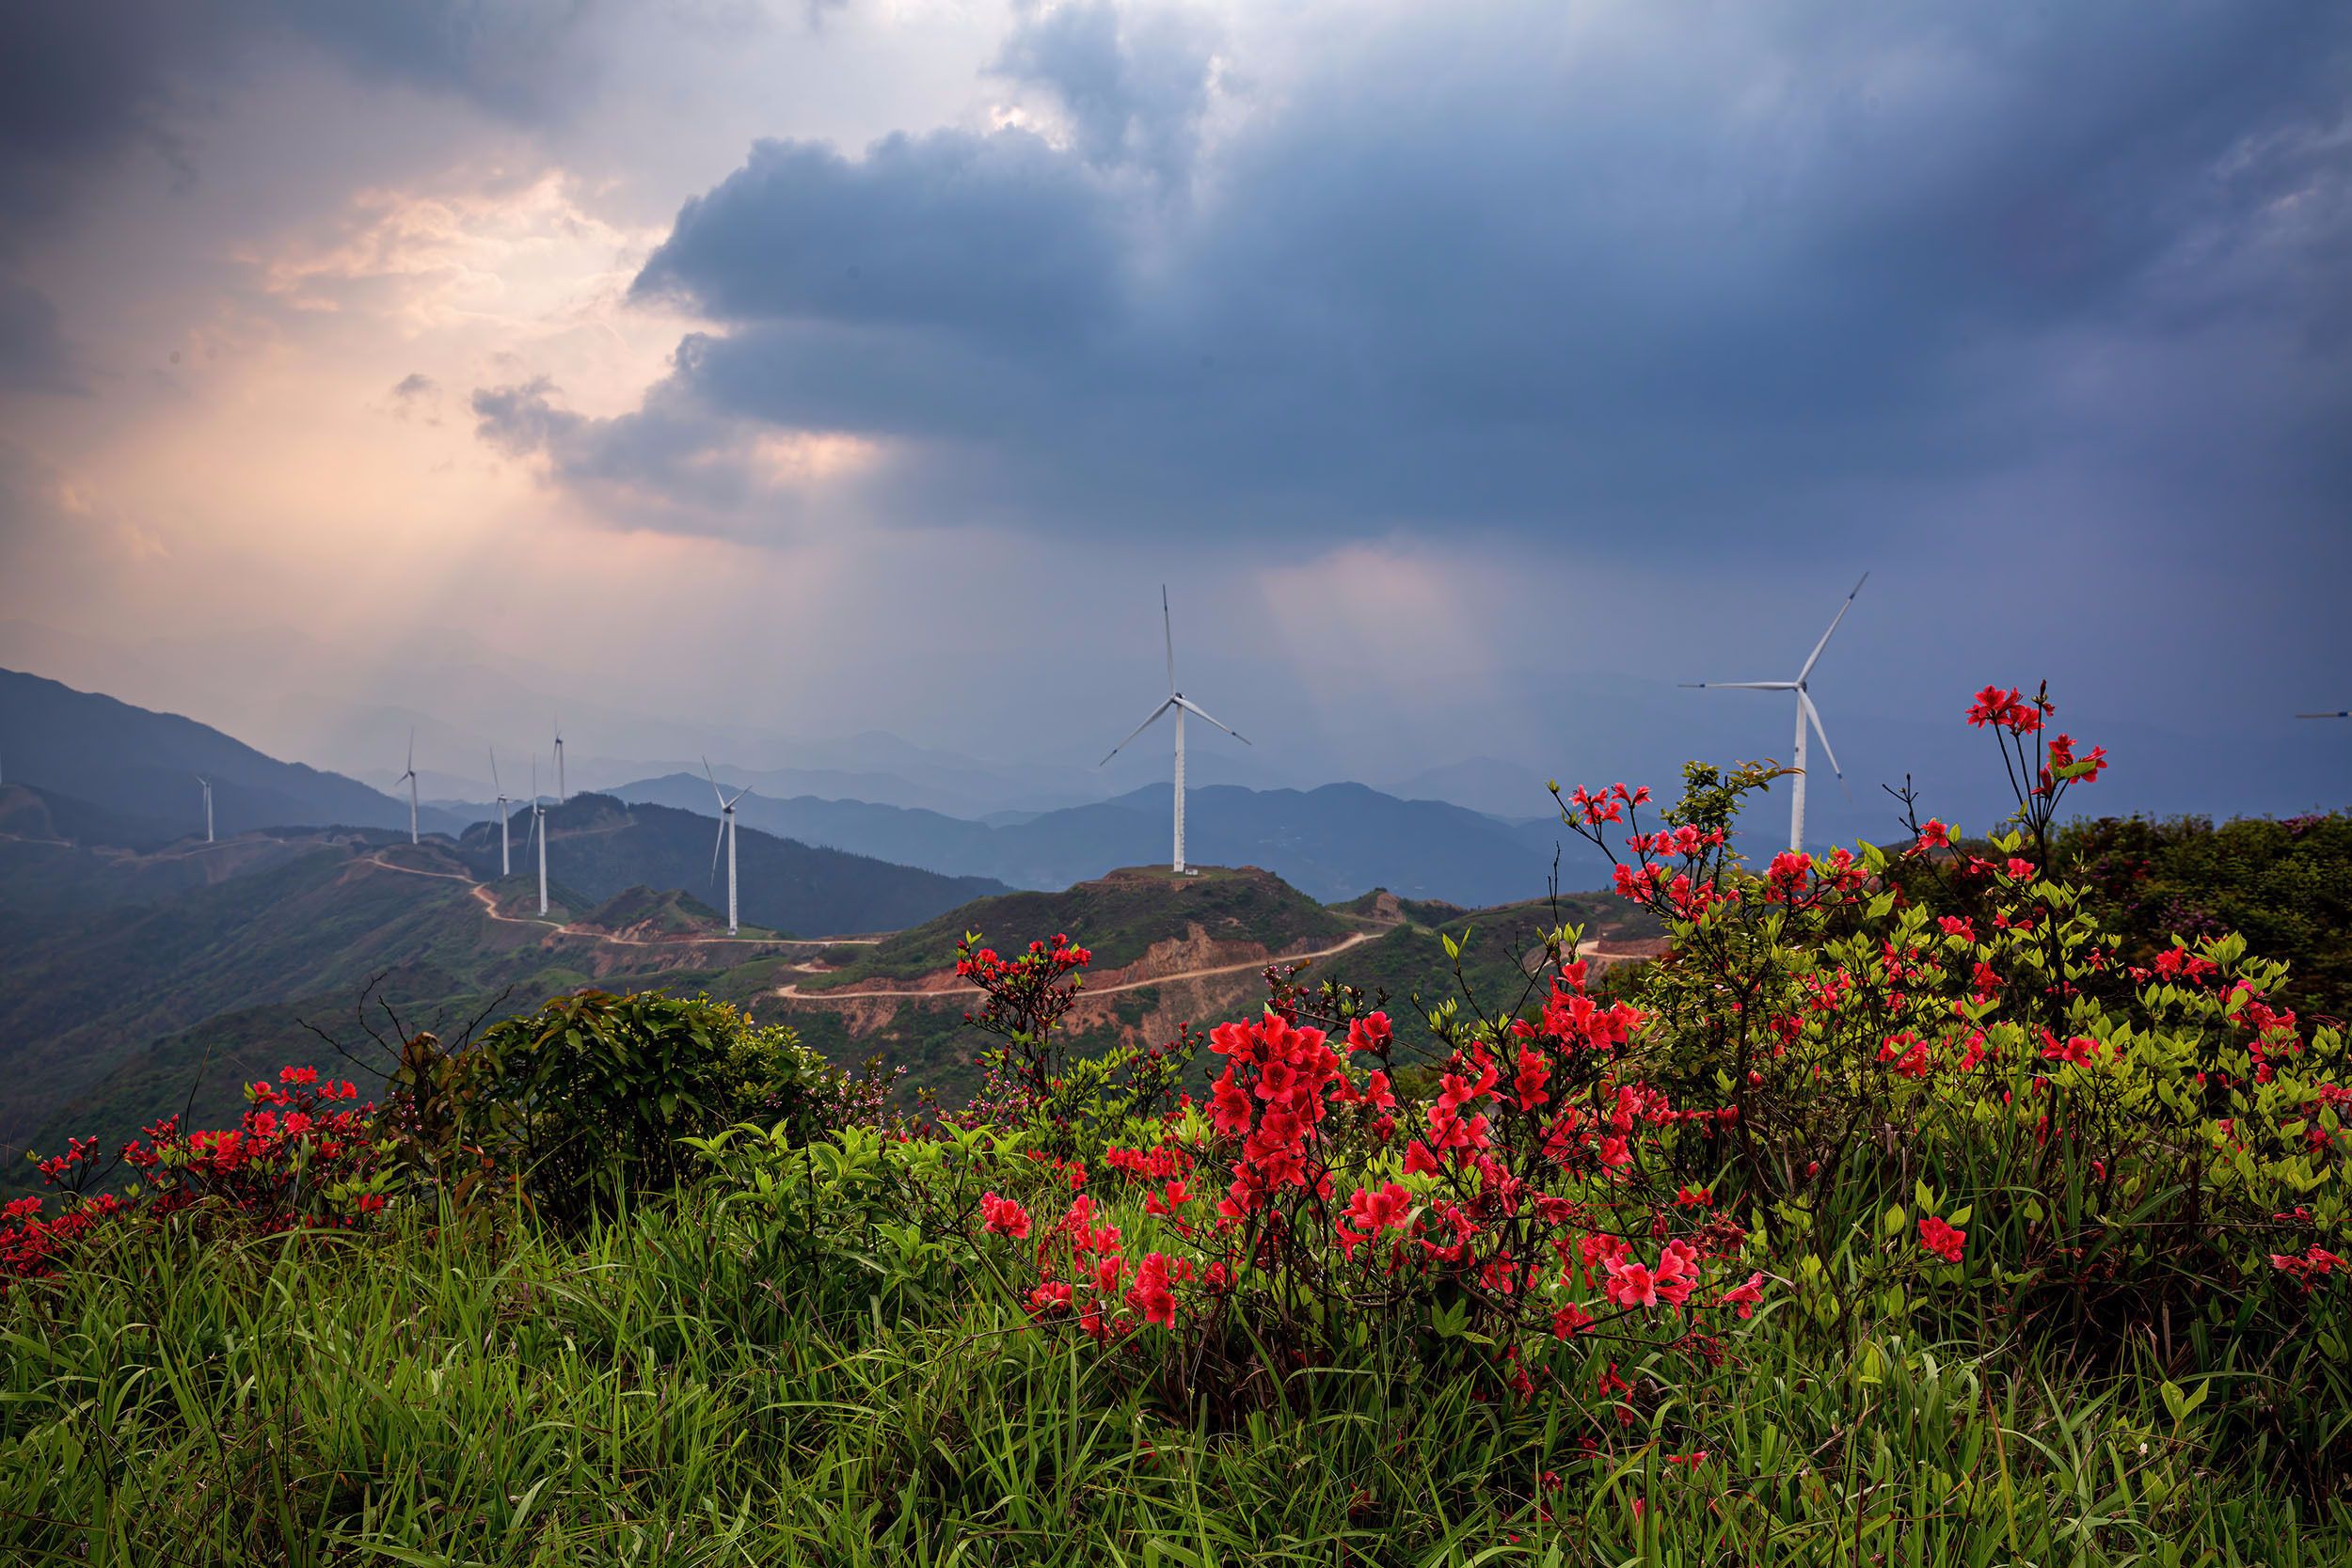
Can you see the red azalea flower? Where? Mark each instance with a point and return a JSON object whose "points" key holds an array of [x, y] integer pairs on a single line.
{"points": [[1942, 1239]]}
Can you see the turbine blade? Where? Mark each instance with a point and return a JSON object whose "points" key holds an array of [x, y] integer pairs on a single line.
{"points": [[1138, 730], [2346, 714], [1167, 628], [1816, 656], [1740, 685], [739, 795], [1198, 712], [412, 748], [717, 793], [496, 783], [716, 845], [1815, 714]]}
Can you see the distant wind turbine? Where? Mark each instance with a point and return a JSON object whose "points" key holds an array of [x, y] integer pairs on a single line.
{"points": [[1805, 711], [1182, 704], [559, 796], [539, 834], [409, 779], [727, 837], [208, 806], [506, 862]]}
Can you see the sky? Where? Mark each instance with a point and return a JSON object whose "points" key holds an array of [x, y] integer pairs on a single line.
{"points": [[1471, 375]]}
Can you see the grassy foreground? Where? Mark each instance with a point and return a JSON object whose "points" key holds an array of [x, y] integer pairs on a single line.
{"points": [[639, 1393]]}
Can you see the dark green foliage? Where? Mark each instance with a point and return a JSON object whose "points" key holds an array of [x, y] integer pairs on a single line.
{"points": [[588, 1098], [2285, 885]]}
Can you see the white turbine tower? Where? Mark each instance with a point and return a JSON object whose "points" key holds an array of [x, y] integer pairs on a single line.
{"points": [[506, 859], [409, 779], [539, 834], [559, 796], [1805, 711], [727, 837], [1182, 704], [208, 806]]}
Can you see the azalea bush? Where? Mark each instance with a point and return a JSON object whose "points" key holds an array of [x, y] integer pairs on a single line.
{"points": [[1079, 1107], [1544, 1213], [305, 1155], [1946, 1084], [586, 1101], [1952, 1020]]}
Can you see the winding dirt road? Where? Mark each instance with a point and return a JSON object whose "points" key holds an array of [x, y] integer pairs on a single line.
{"points": [[792, 990], [488, 901]]}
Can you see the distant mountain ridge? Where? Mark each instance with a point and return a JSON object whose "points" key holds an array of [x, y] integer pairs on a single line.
{"points": [[1333, 842], [138, 768]]}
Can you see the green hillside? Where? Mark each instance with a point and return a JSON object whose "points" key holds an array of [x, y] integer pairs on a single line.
{"points": [[136, 991]]}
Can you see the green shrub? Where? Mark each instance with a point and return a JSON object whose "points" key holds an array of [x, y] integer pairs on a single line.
{"points": [[585, 1101]]}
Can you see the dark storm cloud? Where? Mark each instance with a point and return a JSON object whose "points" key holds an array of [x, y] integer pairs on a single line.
{"points": [[85, 87], [82, 84], [998, 239], [506, 55], [1487, 267]]}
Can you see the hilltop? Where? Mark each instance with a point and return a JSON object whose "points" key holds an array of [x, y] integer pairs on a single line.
{"points": [[1123, 917], [1168, 951]]}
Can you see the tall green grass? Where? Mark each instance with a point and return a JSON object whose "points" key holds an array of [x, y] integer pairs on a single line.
{"points": [[640, 1393]]}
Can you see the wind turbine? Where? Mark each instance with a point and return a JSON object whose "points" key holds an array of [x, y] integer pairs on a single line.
{"points": [[1182, 704], [208, 806], [409, 779], [726, 836], [559, 796], [539, 833], [506, 861], [1806, 710]]}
